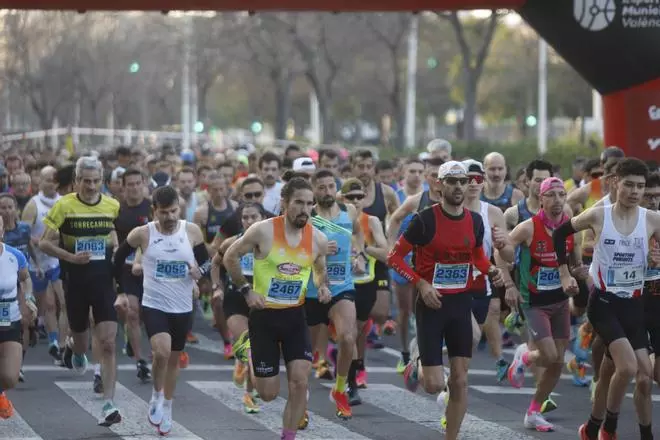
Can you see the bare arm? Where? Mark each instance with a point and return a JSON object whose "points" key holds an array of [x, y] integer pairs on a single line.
{"points": [[391, 199], [30, 217], [396, 219], [517, 196], [217, 262], [358, 234], [320, 270], [244, 245], [379, 249], [496, 219], [511, 217], [50, 244], [576, 199]]}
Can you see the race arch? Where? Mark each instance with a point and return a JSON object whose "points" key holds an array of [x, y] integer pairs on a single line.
{"points": [[611, 43]]}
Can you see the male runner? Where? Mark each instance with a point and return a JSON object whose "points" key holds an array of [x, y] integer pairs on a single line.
{"points": [[496, 191], [340, 224], [47, 288], [134, 211], [285, 249], [380, 201], [13, 308], [615, 307], [485, 308], [174, 256], [186, 184], [442, 275], [80, 232], [652, 277], [399, 222], [541, 298], [269, 171]]}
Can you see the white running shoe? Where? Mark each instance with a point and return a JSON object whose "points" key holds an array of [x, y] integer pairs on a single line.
{"points": [[166, 423], [155, 414], [535, 420]]}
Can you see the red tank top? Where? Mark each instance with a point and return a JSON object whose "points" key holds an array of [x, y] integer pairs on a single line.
{"points": [[446, 261]]}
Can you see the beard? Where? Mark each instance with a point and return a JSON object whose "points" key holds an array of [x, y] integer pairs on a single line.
{"points": [[300, 221], [326, 202], [455, 198]]}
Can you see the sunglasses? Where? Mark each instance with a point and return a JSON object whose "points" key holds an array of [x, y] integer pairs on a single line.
{"points": [[456, 180], [477, 178], [353, 197], [253, 195]]}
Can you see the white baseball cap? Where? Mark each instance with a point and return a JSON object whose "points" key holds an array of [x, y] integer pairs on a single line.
{"points": [[304, 164], [451, 168], [474, 166], [439, 144], [117, 173]]}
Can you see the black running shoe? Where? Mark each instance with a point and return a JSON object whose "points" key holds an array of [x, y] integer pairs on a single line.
{"points": [[98, 384]]}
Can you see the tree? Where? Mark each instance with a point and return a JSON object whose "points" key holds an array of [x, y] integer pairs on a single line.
{"points": [[472, 64]]}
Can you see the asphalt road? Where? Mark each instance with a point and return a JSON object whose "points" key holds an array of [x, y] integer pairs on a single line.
{"points": [[55, 404]]}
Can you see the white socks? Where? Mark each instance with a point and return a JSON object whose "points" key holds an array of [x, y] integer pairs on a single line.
{"points": [[97, 369], [157, 395]]}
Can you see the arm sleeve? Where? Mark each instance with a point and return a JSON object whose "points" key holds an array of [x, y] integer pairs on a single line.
{"points": [[55, 216], [478, 224], [480, 260], [202, 258], [559, 237], [123, 251], [396, 260]]}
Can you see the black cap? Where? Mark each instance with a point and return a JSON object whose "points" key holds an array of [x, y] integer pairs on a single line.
{"points": [[611, 152], [159, 179]]}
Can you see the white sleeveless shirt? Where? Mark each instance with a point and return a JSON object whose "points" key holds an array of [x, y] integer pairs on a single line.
{"points": [[168, 286], [45, 261], [487, 243], [619, 261]]}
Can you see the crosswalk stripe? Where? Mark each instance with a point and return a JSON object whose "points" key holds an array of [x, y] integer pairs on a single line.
{"points": [[425, 412], [207, 344], [489, 389], [134, 424], [270, 416], [16, 428], [654, 397]]}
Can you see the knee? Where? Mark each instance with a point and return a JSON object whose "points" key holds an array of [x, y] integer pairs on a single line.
{"points": [[107, 345], [458, 383], [643, 384], [49, 303], [298, 385], [627, 371], [379, 317], [434, 385], [133, 315], [161, 353], [268, 393], [347, 336]]}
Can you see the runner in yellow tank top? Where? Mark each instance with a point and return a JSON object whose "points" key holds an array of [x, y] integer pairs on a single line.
{"points": [[285, 249]]}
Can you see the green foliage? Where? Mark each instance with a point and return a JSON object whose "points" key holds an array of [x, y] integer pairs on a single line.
{"points": [[518, 154]]}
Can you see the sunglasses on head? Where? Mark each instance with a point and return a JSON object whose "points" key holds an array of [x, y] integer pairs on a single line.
{"points": [[354, 197], [456, 180], [476, 178], [253, 195]]}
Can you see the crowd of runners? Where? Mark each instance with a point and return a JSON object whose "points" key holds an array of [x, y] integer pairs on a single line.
{"points": [[311, 256]]}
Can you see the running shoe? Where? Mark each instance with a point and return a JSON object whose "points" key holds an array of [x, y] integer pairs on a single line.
{"points": [[389, 328], [400, 366], [324, 371], [507, 341], [353, 396], [501, 369], [304, 422], [79, 363], [54, 351], [241, 347], [582, 432], [21, 376], [143, 372], [343, 405], [516, 371], [249, 404], [592, 389], [548, 406], [155, 415], [535, 420], [166, 423], [579, 372], [98, 384], [184, 360], [110, 415], [603, 435], [228, 351], [191, 338], [6, 407], [410, 378], [240, 373], [361, 379], [443, 400]]}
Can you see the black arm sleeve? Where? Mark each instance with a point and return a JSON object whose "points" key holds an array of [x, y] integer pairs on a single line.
{"points": [[202, 258], [421, 229], [559, 241], [123, 251], [479, 228]]}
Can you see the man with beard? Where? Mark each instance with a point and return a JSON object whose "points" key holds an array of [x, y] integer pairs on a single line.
{"points": [[341, 226], [443, 277], [616, 309], [48, 287], [541, 297], [134, 211], [20, 186], [285, 249], [174, 256], [496, 191], [269, 171], [381, 201], [399, 222], [185, 183]]}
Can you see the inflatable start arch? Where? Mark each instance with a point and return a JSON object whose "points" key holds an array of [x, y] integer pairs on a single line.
{"points": [[613, 44]]}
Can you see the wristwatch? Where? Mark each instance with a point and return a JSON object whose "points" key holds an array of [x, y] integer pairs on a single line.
{"points": [[245, 289], [215, 287]]}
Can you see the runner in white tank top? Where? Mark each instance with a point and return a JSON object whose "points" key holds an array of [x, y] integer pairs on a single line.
{"points": [[172, 249], [615, 309]]}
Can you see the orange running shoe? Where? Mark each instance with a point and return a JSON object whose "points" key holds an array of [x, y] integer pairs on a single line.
{"points": [[6, 407], [304, 422], [240, 373], [191, 338], [343, 405], [184, 360]]}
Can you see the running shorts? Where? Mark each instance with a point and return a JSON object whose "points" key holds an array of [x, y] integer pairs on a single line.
{"points": [[382, 276], [234, 303], [131, 284], [550, 321], [82, 294], [365, 298], [177, 325], [317, 312], [39, 285], [615, 318], [12, 333]]}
